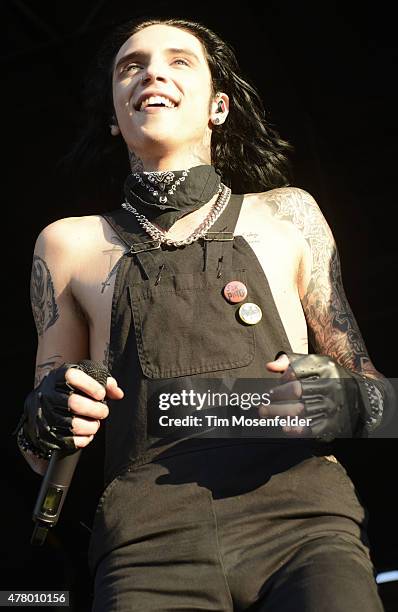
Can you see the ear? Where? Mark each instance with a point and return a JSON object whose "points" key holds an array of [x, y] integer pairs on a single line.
{"points": [[115, 130], [219, 108]]}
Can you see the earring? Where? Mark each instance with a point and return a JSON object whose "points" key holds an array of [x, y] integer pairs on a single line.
{"points": [[217, 120], [115, 131]]}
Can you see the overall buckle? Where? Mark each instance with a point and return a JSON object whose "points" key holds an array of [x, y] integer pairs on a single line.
{"points": [[219, 236], [140, 247]]}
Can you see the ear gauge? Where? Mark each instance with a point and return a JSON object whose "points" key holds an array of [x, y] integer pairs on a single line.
{"points": [[115, 131], [220, 109]]}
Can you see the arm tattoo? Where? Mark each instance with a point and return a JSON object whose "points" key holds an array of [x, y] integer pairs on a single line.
{"points": [[333, 329], [42, 296], [42, 369]]}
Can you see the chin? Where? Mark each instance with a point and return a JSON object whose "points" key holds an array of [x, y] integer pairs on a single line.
{"points": [[162, 139]]}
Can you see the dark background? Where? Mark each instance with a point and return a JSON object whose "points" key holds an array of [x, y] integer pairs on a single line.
{"points": [[327, 75]]}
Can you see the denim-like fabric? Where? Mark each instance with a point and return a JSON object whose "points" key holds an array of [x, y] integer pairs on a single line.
{"points": [[260, 526], [170, 321], [213, 524]]}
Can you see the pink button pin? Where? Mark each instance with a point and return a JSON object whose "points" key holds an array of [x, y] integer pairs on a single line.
{"points": [[235, 292]]}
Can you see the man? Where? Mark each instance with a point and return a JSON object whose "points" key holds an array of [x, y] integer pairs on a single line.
{"points": [[157, 290]]}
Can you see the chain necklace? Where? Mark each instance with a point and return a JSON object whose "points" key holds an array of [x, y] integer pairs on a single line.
{"points": [[224, 194]]}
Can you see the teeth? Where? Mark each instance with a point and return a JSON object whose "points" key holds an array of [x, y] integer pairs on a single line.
{"points": [[156, 100]]}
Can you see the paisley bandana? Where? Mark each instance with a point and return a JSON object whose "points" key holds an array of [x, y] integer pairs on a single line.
{"points": [[165, 197]]}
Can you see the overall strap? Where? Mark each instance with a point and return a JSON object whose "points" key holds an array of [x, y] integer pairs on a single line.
{"points": [[147, 252], [220, 239]]}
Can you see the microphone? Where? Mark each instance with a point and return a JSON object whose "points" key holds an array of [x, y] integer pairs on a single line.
{"points": [[59, 474]]}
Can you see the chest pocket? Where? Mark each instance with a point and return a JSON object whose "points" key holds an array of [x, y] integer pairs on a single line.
{"points": [[185, 326]]}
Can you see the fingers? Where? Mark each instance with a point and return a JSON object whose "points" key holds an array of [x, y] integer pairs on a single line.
{"points": [[286, 371], [282, 410], [83, 382], [90, 412], [82, 441], [285, 402], [279, 365], [84, 427], [84, 406], [113, 391], [288, 375], [286, 391], [298, 431]]}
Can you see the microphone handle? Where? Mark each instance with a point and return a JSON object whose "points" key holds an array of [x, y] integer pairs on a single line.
{"points": [[52, 494], [59, 473]]}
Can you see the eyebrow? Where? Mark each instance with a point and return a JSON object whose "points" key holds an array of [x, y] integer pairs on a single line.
{"points": [[143, 54]]}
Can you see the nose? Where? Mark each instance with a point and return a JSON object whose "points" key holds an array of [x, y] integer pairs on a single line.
{"points": [[153, 73]]}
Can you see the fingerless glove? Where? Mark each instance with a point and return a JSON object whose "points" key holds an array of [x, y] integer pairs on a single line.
{"points": [[340, 403], [46, 422]]}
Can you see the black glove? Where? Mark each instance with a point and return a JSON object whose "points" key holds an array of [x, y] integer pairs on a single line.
{"points": [[337, 400], [46, 419]]}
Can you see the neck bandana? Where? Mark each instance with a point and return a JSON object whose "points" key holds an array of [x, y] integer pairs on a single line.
{"points": [[164, 197]]}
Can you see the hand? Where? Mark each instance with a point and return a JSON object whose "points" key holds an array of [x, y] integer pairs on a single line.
{"points": [[91, 410], [286, 398], [67, 401], [318, 388]]}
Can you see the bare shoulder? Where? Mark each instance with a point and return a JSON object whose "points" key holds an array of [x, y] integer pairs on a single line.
{"points": [[291, 208], [73, 237], [287, 210], [292, 203], [64, 233]]}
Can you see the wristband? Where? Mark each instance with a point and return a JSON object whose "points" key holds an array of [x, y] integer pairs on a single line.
{"points": [[341, 403], [25, 445]]}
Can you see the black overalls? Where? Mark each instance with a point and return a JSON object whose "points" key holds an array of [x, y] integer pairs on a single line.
{"points": [[213, 524]]}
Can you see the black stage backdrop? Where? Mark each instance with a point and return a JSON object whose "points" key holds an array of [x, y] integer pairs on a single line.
{"points": [[327, 75]]}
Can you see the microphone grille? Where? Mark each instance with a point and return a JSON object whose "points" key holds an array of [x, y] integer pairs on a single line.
{"points": [[96, 370]]}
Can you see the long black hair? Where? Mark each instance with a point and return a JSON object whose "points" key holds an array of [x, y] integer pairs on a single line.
{"points": [[246, 150]]}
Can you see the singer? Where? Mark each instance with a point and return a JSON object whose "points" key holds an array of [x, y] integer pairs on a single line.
{"points": [[184, 280]]}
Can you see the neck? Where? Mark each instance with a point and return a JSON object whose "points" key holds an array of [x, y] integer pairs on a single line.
{"points": [[180, 160], [167, 194]]}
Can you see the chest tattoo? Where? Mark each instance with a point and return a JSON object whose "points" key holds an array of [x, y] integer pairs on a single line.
{"points": [[251, 237]]}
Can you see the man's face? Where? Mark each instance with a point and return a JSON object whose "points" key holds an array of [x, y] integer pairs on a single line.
{"points": [[166, 61]]}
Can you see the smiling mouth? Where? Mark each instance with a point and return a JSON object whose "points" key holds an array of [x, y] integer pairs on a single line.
{"points": [[155, 102], [155, 108]]}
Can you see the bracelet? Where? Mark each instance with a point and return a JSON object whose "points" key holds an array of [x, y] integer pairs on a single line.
{"points": [[25, 445], [376, 404]]}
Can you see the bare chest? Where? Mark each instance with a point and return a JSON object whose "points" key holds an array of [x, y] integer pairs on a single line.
{"points": [[276, 251]]}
